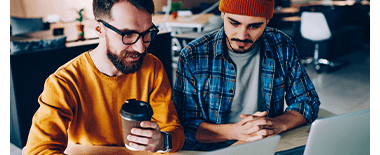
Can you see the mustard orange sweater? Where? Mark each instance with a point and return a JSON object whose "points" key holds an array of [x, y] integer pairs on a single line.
{"points": [[80, 105]]}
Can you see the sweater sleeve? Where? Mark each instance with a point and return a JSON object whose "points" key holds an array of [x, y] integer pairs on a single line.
{"points": [[164, 112], [48, 133]]}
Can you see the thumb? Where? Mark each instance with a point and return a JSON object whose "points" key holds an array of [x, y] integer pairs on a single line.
{"points": [[260, 114], [257, 114], [244, 115]]}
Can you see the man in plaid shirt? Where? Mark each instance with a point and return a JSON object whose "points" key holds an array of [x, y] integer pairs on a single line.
{"points": [[231, 83]]}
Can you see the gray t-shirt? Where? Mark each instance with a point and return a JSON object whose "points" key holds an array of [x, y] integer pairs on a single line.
{"points": [[247, 98]]}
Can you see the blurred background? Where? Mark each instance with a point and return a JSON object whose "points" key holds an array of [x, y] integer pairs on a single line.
{"points": [[332, 38]]}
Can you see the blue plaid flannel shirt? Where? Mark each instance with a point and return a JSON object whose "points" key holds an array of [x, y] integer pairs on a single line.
{"points": [[205, 82]]}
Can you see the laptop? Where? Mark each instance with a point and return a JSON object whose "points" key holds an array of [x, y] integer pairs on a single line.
{"points": [[340, 135], [266, 146]]}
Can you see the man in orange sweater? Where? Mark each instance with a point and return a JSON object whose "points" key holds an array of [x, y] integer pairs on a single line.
{"points": [[80, 102]]}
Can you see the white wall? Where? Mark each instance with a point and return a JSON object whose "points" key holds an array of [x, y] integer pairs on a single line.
{"points": [[66, 9]]}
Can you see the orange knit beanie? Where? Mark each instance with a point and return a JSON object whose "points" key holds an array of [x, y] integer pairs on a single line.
{"points": [[257, 8]]}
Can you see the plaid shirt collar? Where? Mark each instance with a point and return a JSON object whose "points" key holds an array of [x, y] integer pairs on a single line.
{"points": [[220, 39]]}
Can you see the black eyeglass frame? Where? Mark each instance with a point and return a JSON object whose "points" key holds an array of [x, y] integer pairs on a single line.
{"points": [[153, 28]]}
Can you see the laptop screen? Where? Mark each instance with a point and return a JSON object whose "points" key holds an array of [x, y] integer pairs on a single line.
{"points": [[342, 134]]}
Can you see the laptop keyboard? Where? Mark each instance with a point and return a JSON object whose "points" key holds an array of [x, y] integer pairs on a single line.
{"points": [[294, 151]]}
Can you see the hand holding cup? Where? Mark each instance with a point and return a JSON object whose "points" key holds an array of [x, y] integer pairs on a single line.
{"points": [[147, 138]]}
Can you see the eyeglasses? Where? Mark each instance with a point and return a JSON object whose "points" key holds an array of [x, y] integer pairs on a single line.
{"points": [[131, 37]]}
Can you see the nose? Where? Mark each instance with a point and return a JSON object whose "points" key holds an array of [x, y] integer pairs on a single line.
{"points": [[139, 46], [242, 33]]}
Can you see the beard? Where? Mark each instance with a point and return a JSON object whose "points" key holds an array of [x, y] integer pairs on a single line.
{"points": [[119, 60], [240, 50]]}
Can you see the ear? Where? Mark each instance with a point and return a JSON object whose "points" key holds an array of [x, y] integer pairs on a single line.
{"points": [[222, 15], [99, 29], [268, 19]]}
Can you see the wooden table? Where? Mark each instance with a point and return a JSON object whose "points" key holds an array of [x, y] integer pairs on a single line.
{"points": [[70, 29], [194, 21], [289, 139], [45, 34], [75, 149], [292, 19], [288, 10], [70, 32]]}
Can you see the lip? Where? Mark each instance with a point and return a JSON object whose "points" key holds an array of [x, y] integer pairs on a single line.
{"points": [[133, 58], [241, 44]]}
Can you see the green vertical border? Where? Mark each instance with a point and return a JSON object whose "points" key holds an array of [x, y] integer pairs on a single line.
{"points": [[375, 49], [5, 77]]}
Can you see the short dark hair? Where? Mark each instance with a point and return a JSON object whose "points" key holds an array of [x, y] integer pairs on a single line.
{"points": [[102, 8]]}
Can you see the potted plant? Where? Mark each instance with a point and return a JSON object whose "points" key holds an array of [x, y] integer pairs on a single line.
{"points": [[174, 9], [80, 26]]}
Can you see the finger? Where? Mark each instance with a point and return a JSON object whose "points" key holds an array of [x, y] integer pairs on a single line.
{"points": [[260, 114], [137, 146], [260, 135], [265, 132], [242, 116], [246, 119], [252, 130], [137, 139], [149, 124], [254, 138], [255, 121], [141, 147], [267, 127], [254, 126], [142, 132], [257, 115]]}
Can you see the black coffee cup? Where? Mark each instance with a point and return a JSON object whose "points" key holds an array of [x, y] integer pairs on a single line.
{"points": [[132, 112]]}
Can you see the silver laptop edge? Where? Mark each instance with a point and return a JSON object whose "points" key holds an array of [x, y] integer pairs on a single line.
{"points": [[342, 134]]}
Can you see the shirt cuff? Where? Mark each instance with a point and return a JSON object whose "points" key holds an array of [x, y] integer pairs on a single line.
{"points": [[306, 109], [191, 126]]}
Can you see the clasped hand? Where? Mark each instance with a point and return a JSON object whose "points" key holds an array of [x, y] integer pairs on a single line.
{"points": [[147, 138], [257, 126]]}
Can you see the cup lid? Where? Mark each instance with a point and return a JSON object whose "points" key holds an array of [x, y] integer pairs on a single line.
{"points": [[136, 110]]}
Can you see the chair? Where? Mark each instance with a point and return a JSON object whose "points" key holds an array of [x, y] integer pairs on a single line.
{"points": [[26, 25], [314, 27]]}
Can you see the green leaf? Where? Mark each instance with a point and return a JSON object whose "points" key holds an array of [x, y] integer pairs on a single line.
{"points": [[80, 19], [175, 6]]}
